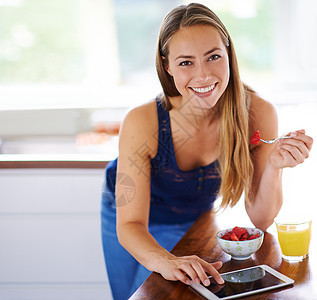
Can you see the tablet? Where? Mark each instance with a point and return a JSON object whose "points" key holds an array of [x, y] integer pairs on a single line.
{"points": [[243, 282]]}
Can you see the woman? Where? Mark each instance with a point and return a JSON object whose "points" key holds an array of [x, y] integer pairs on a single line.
{"points": [[178, 153]]}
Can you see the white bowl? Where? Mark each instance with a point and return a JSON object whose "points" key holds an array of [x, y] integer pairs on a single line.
{"points": [[241, 250]]}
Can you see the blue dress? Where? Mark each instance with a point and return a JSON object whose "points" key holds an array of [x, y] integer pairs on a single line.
{"points": [[178, 198]]}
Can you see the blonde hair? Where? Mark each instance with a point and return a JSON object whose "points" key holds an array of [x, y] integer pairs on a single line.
{"points": [[236, 168]]}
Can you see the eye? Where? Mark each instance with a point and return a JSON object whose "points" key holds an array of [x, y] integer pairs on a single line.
{"points": [[185, 63], [214, 57]]}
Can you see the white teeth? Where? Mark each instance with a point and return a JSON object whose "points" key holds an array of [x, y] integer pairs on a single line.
{"points": [[204, 90]]}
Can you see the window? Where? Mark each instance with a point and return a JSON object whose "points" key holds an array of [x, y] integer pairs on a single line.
{"points": [[40, 42], [101, 53]]}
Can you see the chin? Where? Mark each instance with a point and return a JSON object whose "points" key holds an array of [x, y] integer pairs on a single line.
{"points": [[205, 103]]}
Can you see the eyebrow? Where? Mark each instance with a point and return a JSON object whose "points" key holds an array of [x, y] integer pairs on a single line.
{"points": [[191, 56]]}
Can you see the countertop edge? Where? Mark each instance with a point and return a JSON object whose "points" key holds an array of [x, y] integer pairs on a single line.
{"points": [[53, 164]]}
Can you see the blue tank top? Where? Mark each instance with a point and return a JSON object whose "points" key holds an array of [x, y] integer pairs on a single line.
{"points": [[177, 196]]}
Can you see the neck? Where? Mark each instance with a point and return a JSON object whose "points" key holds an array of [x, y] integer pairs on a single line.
{"points": [[196, 112]]}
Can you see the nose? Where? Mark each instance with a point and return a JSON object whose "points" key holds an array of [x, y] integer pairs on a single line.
{"points": [[203, 73]]}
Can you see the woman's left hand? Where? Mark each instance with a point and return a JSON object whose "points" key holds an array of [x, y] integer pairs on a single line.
{"points": [[291, 152]]}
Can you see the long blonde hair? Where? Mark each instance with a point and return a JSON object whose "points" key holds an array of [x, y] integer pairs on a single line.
{"points": [[236, 168]]}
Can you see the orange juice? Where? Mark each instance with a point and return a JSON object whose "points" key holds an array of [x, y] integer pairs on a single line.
{"points": [[294, 239]]}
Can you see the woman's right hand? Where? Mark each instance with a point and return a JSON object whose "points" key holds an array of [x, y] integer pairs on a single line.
{"points": [[190, 267]]}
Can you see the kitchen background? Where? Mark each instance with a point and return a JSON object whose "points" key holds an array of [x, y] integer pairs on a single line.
{"points": [[69, 71]]}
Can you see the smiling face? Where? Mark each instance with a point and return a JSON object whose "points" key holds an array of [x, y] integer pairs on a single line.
{"points": [[199, 64]]}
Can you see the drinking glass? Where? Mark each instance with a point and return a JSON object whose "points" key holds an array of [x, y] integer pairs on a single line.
{"points": [[294, 239]]}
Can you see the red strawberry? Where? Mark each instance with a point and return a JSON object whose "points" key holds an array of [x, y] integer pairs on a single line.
{"points": [[226, 236], [239, 234], [255, 139], [233, 237], [239, 231], [252, 237], [244, 236]]}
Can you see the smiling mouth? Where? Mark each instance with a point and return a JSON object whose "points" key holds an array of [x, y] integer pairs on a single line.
{"points": [[204, 90]]}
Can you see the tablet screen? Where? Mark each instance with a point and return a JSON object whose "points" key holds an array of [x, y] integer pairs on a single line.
{"points": [[242, 281]]}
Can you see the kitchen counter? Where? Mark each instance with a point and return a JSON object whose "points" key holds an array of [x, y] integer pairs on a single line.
{"points": [[91, 161], [56, 153], [201, 240]]}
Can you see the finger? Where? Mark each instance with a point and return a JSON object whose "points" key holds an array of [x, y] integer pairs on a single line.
{"points": [[291, 156], [300, 144], [202, 276], [190, 271], [308, 141], [288, 159], [217, 265], [301, 131], [296, 153], [181, 276], [213, 272], [301, 135]]}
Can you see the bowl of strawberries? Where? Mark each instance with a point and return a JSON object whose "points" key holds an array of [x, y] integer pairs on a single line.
{"points": [[240, 242]]}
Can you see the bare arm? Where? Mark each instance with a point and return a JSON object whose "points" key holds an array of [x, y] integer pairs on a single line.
{"points": [[269, 162], [136, 147]]}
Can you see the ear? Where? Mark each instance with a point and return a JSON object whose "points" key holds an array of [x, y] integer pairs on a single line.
{"points": [[165, 65]]}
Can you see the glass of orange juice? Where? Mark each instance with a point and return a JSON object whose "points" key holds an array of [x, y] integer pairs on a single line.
{"points": [[294, 239]]}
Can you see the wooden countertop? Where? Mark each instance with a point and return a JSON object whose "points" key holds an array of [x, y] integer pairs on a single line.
{"points": [[19, 161], [201, 240]]}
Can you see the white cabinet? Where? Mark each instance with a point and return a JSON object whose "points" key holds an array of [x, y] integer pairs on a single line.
{"points": [[50, 235]]}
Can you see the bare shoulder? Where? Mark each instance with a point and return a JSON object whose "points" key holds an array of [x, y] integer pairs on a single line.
{"points": [[141, 113], [263, 116], [260, 106], [139, 126]]}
